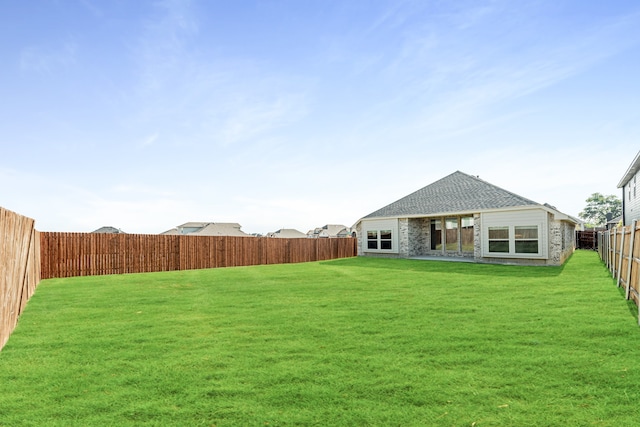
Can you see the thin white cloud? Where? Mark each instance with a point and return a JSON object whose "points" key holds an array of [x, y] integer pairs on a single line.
{"points": [[251, 117], [206, 101], [150, 140], [457, 83], [46, 59], [92, 7], [163, 45]]}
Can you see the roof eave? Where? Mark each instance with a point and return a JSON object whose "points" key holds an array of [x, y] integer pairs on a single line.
{"points": [[459, 213], [633, 169], [556, 213]]}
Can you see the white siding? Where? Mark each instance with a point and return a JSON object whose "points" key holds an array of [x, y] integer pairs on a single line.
{"points": [[525, 217], [377, 225], [631, 197]]}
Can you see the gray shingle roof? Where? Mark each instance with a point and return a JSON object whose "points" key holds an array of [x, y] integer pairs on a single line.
{"points": [[457, 192], [108, 230], [289, 233]]}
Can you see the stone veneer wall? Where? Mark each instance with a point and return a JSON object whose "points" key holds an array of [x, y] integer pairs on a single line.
{"points": [[555, 242], [477, 237], [562, 241], [568, 232], [403, 237], [419, 236], [359, 237]]}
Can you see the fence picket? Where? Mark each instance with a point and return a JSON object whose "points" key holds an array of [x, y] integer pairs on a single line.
{"points": [[19, 268], [630, 260], [613, 248]]}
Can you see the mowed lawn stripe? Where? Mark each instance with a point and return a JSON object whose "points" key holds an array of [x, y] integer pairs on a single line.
{"points": [[357, 341]]}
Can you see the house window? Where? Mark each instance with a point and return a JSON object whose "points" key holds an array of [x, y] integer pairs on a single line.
{"points": [[372, 239], [379, 239], [499, 239], [526, 239], [385, 240], [519, 239]]}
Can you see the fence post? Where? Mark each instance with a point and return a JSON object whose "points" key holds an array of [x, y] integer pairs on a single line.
{"points": [[612, 252], [628, 280], [619, 272]]}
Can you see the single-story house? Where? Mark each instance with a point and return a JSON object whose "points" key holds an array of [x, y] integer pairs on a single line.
{"points": [[613, 222], [107, 229], [330, 231], [630, 197], [461, 215], [287, 233], [208, 229]]}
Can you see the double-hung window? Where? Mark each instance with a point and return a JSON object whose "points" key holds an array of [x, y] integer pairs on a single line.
{"points": [[499, 239], [372, 239], [526, 239]]}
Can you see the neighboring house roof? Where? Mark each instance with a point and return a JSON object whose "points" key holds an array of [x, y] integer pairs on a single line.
{"points": [[457, 192], [108, 229], [329, 230], [172, 232], [613, 222], [208, 229], [288, 233], [633, 169], [221, 229]]}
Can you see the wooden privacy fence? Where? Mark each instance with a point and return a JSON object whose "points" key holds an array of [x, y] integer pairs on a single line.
{"points": [[89, 254], [19, 268], [619, 248], [587, 239]]}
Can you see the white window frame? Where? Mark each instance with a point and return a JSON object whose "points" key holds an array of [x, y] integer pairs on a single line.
{"points": [[511, 220], [378, 227], [499, 239], [517, 239]]}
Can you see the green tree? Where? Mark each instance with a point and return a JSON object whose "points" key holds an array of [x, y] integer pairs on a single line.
{"points": [[598, 206]]}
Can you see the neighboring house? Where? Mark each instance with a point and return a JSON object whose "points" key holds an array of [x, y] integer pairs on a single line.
{"points": [[463, 216], [614, 222], [330, 231], [287, 233], [208, 229], [630, 196], [108, 229]]}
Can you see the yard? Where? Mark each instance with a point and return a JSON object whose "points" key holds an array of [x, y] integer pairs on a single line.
{"points": [[351, 342]]}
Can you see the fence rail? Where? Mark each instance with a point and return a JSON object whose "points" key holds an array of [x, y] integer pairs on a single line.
{"points": [[19, 268], [89, 254], [619, 248]]}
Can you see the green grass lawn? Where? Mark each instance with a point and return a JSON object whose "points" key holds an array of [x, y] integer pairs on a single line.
{"points": [[352, 342]]}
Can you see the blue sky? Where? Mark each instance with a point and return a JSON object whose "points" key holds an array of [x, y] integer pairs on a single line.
{"points": [[144, 115]]}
